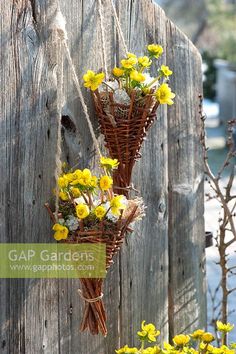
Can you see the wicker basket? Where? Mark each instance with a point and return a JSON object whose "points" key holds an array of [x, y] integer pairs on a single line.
{"points": [[124, 128], [94, 317]]}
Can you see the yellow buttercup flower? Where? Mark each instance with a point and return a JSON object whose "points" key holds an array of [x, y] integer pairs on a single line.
{"points": [[75, 177], [136, 76], [152, 350], [224, 327], [62, 181], [82, 177], [127, 350], [61, 232], [131, 55], [100, 212], [118, 72], [214, 350], [165, 70], [105, 183], [117, 205], [144, 61], [155, 50], [63, 196], [198, 334], [164, 94], [168, 347], [92, 80], [207, 337], [93, 181], [82, 211], [109, 163], [148, 332], [75, 192], [70, 177], [226, 350], [129, 63], [181, 340]]}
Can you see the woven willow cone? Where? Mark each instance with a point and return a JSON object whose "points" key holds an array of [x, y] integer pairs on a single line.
{"points": [[124, 128], [112, 235]]}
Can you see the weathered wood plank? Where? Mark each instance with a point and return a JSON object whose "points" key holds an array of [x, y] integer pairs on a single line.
{"points": [[186, 204], [144, 262]]}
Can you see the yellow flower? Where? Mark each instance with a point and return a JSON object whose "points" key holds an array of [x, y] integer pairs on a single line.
{"points": [[117, 205], [129, 63], [148, 332], [198, 334], [136, 76], [74, 178], [225, 350], [145, 61], [168, 347], [82, 177], [155, 50], [69, 177], [181, 340], [105, 183], [207, 337], [166, 71], [93, 181], [127, 350], [224, 327], [118, 72], [61, 232], [63, 196], [82, 210], [75, 192], [215, 350], [152, 350], [63, 181], [109, 163], [100, 212], [164, 94], [92, 80], [131, 55]]}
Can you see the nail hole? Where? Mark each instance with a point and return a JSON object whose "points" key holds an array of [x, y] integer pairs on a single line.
{"points": [[68, 124], [71, 309], [48, 133]]}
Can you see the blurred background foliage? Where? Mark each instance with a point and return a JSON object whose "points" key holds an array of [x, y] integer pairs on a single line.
{"points": [[211, 25]]}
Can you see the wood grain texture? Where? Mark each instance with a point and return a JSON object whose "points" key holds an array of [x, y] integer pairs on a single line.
{"points": [[185, 174], [42, 316]]}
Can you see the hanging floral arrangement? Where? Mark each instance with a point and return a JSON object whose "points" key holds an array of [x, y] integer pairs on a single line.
{"points": [[126, 106], [90, 212]]}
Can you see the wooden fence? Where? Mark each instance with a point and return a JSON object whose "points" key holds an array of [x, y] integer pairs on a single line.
{"points": [[159, 275]]}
